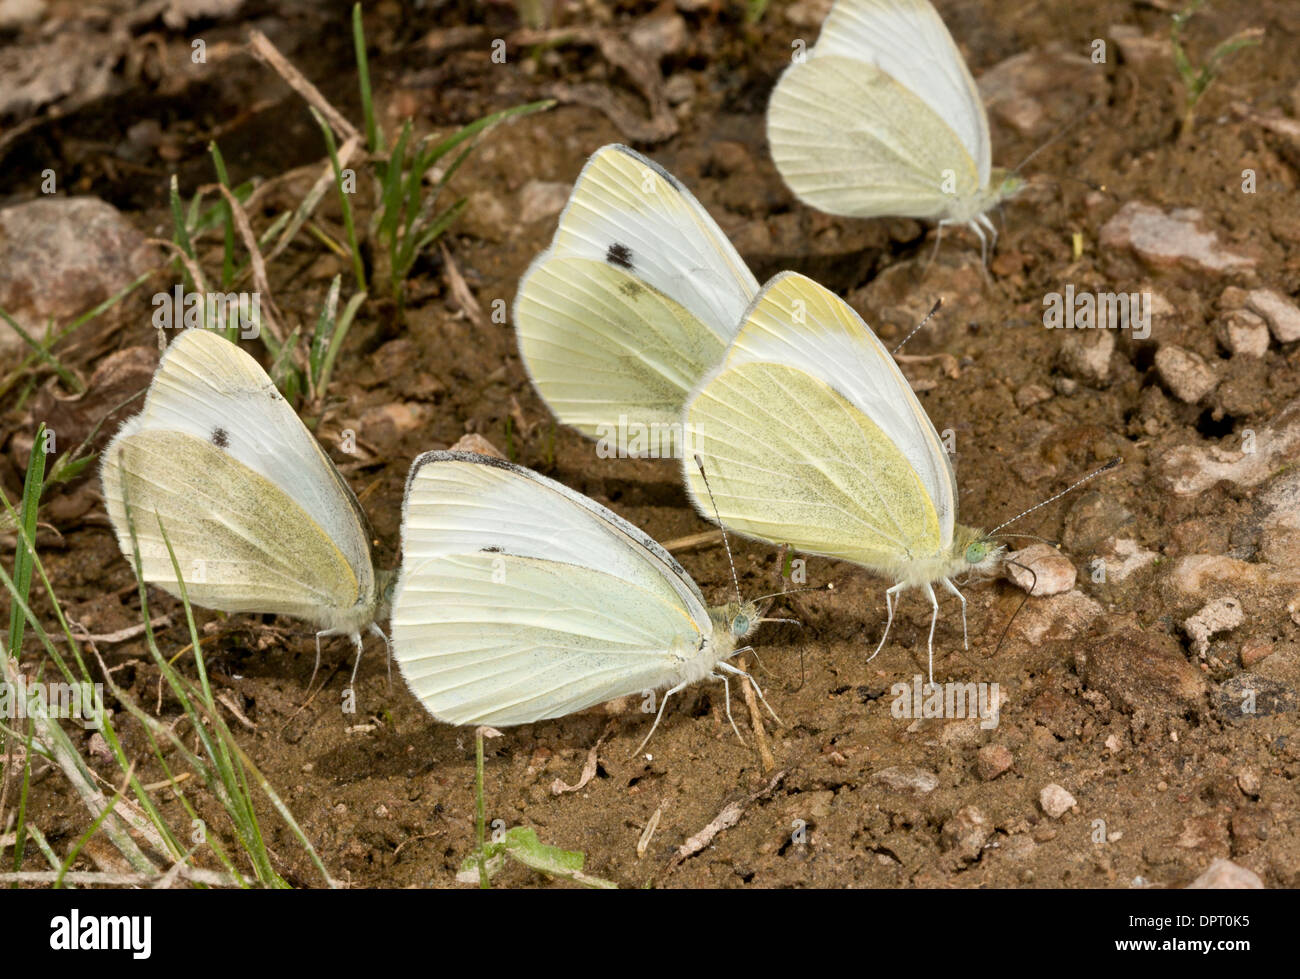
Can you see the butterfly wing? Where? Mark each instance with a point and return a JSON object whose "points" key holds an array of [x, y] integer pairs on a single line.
{"points": [[241, 543], [208, 389], [908, 41], [520, 600], [635, 299], [811, 436]]}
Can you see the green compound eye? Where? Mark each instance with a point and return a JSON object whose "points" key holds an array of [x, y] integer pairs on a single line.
{"points": [[740, 625], [977, 552]]}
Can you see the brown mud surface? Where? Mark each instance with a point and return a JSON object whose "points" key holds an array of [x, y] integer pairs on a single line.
{"points": [[1102, 691]]}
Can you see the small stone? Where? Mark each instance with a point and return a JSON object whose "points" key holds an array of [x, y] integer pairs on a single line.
{"points": [[1018, 89], [1085, 355], [1030, 395], [808, 13], [992, 760], [907, 778], [59, 257], [966, 833], [1243, 334], [385, 424], [1248, 781], [1218, 616], [1112, 744], [98, 747], [1283, 316], [730, 157], [1167, 240], [1186, 374], [1040, 569], [540, 199], [659, 35], [1056, 802], [1065, 386], [473, 442], [1226, 875], [1122, 558], [679, 88], [1194, 469], [1141, 671], [1255, 650], [486, 217], [1139, 49]]}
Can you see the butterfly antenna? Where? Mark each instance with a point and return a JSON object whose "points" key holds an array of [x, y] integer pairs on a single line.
{"points": [[1045, 540], [928, 316], [725, 543], [1055, 137], [1052, 499]]}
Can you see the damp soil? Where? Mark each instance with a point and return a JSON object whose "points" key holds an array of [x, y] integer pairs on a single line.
{"points": [[386, 794]]}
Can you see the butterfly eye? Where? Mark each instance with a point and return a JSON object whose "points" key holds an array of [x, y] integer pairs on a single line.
{"points": [[740, 625], [976, 552]]}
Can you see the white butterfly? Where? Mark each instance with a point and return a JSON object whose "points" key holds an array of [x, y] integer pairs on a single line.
{"points": [[637, 296], [520, 600], [258, 516], [884, 119], [812, 437]]}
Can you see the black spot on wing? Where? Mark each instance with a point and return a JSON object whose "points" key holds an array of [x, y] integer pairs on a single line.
{"points": [[630, 288], [220, 438], [619, 255], [492, 550]]}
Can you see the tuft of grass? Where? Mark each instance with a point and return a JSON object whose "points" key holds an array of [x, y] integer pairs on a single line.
{"points": [[1197, 79], [411, 176], [131, 817], [519, 844]]}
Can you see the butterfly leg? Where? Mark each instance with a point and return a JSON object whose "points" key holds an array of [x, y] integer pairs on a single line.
{"points": [[929, 590], [726, 693], [947, 583], [735, 671], [388, 651], [934, 253], [889, 607], [356, 641], [987, 221], [984, 244], [662, 704], [316, 669]]}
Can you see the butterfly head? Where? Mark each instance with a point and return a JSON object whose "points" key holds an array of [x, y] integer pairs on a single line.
{"points": [[1005, 183], [978, 553], [738, 619]]}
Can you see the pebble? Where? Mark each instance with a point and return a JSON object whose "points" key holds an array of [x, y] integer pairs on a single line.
{"points": [[1249, 782], [1032, 394], [1123, 558], [486, 217], [540, 199], [1085, 355], [1254, 651], [1194, 469], [966, 833], [59, 257], [473, 442], [1186, 374], [907, 778], [1167, 240], [1225, 875], [679, 88], [385, 424], [1220, 615], [1056, 802], [1016, 89], [1282, 315], [1243, 334], [1141, 671], [659, 35], [1140, 50], [1055, 617], [1045, 571], [992, 760]]}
